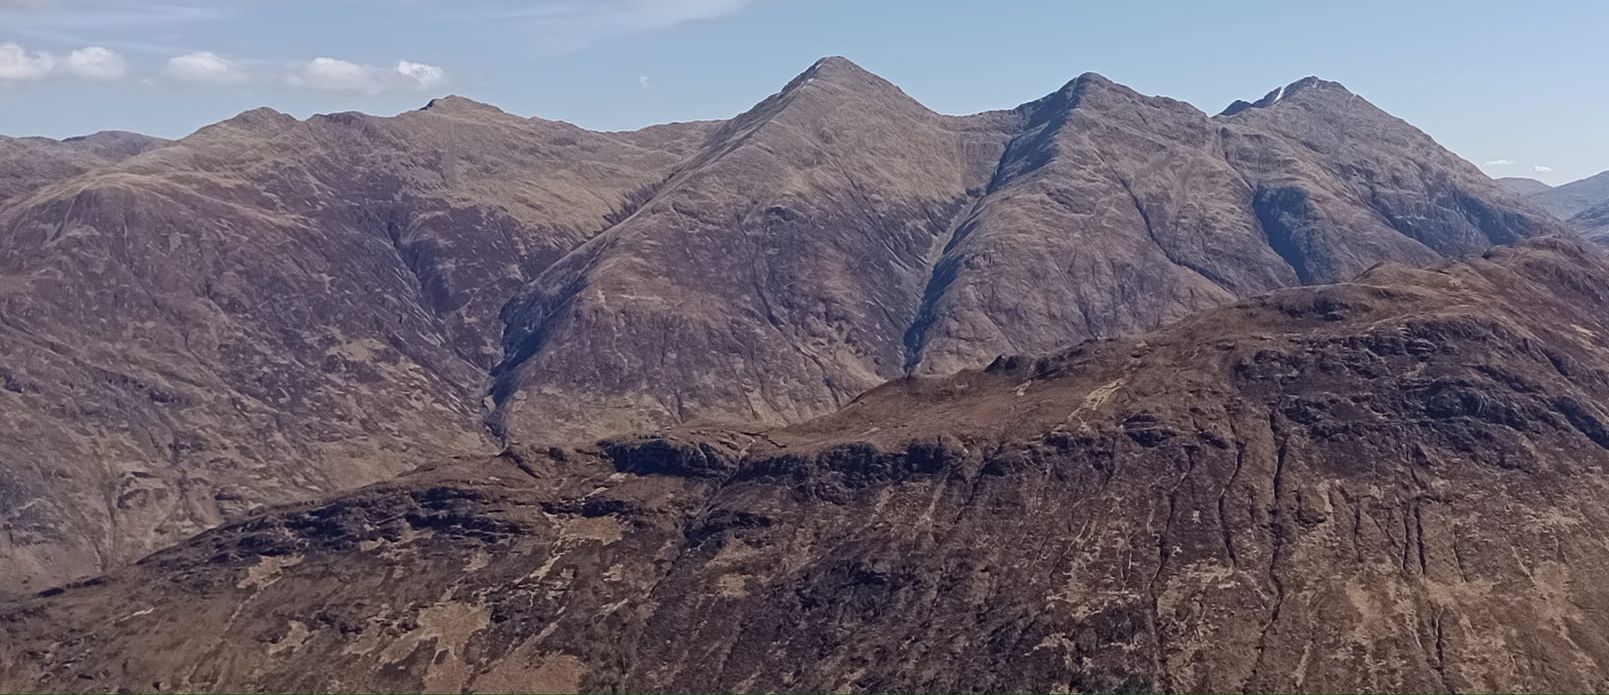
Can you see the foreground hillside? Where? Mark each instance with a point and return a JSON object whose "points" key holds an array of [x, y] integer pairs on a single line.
{"points": [[275, 309], [1389, 484]]}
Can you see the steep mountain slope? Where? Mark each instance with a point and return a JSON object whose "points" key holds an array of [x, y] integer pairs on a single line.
{"points": [[27, 164], [776, 275], [1338, 185], [1520, 185], [1574, 198], [1391, 484], [771, 278], [1593, 223], [272, 309]]}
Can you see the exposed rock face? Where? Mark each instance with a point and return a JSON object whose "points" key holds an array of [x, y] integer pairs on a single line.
{"points": [[1392, 484], [273, 309]]}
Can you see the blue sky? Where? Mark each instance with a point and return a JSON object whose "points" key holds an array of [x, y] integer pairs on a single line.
{"points": [[1516, 87]]}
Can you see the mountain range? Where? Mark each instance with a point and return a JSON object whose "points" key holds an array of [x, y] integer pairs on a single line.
{"points": [[1291, 378], [274, 309]]}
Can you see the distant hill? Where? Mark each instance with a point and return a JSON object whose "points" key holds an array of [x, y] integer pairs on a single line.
{"points": [[1574, 198], [1523, 186]]}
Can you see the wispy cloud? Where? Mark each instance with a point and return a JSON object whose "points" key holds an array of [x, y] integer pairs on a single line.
{"points": [[1541, 169], [206, 68], [97, 63], [335, 75], [1500, 162], [19, 64], [421, 75], [108, 13], [568, 25], [123, 24]]}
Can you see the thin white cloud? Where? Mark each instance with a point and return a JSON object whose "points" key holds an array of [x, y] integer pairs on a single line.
{"points": [[1500, 162], [1541, 169], [421, 75], [327, 74], [18, 64], [97, 63], [335, 75], [205, 68], [568, 25], [642, 81], [99, 14], [126, 25]]}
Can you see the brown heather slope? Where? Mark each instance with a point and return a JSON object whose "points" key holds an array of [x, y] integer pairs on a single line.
{"points": [[28, 164], [273, 309], [1390, 484], [840, 234], [270, 310]]}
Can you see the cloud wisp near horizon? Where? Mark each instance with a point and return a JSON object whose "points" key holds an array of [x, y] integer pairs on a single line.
{"points": [[91, 39]]}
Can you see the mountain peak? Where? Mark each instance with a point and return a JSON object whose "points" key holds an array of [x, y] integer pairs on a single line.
{"points": [[453, 104], [835, 66], [1089, 90], [840, 72], [1091, 80], [115, 142], [1093, 84], [1309, 85], [261, 116], [833, 80], [260, 119]]}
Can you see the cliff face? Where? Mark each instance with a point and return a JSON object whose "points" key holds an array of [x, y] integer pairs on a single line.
{"points": [[1389, 484], [272, 309]]}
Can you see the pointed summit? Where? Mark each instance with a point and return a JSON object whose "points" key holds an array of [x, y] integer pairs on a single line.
{"points": [[828, 86], [1092, 92], [842, 73], [1093, 85], [836, 69], [1308, 87]]}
